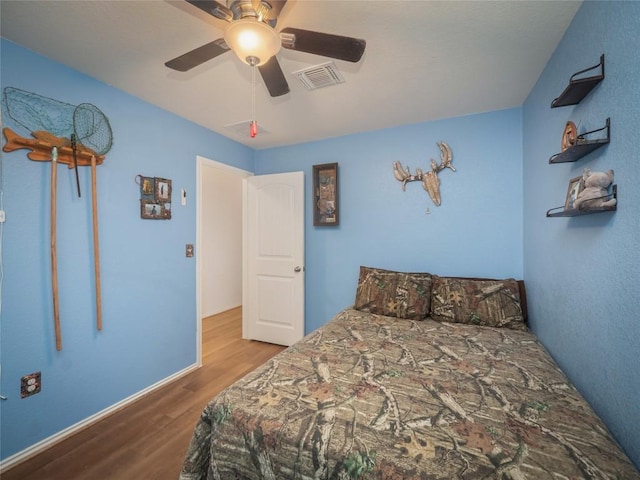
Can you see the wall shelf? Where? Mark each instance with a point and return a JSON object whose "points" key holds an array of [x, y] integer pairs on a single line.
{"points": [[583, 146], [561, 212], [578, 88]]}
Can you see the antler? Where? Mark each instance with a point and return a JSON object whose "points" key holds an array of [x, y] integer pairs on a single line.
{"points": [[446, 157], [430, 180], [401, 174]]}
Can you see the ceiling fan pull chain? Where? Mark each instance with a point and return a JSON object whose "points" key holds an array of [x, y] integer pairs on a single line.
{"points": [[253, 127]]}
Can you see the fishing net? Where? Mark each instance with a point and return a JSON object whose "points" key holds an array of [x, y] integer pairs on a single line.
{"points": [[92, 128], [84, 123]]}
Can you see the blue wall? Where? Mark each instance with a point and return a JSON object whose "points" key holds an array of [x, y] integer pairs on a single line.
{"points": [[583, 273], [148, 286], [477, 231]]}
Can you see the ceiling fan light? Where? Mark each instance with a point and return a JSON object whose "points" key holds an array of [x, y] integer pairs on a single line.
{"points": [[252, 38]]}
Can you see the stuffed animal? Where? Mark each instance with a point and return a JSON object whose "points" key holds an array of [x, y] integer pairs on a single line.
{"points": [[595, 194]]}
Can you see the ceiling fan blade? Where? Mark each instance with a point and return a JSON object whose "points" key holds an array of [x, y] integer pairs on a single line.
{"points": [[214, 8], [325, 44], [274, 78], [198, 56]]}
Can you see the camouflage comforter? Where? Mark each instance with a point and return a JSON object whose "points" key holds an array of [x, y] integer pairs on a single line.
{"points": [[374, 397]]}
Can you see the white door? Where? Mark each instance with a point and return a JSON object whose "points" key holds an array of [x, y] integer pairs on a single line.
{"points": [[273, 293]]}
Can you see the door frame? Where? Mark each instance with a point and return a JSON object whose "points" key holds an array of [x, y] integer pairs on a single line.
{"points": [[201, 163]]}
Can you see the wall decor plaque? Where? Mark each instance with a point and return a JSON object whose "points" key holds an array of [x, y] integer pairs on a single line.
{"points": [[325, 195]]}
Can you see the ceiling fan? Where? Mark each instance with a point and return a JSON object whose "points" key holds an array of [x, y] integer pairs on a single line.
{"points": [[251, 35]]}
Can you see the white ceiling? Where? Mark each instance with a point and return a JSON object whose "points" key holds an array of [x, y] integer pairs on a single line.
{"points": [[424, 60]]}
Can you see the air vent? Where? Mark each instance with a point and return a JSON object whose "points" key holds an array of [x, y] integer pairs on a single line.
{"points": [[241, 129], [320, 76]]}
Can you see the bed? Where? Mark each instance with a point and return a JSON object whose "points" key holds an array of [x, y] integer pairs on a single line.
{"points": [[424, 377]]}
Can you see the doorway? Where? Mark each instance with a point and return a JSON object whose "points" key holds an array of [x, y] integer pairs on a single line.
{"points": [[218, 240]]}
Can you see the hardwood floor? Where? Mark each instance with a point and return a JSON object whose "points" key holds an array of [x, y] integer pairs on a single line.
{"points": [[148, 439]]}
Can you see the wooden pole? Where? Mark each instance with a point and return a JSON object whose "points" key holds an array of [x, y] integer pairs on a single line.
{"points": [[54, 254], [96, 248]]}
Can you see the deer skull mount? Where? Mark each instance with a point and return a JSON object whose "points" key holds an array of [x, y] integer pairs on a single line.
{"points": [[430, 180]]}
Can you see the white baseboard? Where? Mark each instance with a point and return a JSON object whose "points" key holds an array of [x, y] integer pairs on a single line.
{"points": [[48, 442]]}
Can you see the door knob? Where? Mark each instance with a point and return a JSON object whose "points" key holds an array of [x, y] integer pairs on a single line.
{"points": [[297, 269]]}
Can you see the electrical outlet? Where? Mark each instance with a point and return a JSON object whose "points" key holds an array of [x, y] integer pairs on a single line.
{"points": [[30, 384], [189, 250], [2, 216]]}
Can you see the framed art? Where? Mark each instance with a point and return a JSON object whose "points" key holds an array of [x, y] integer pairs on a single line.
{"points": [[162, 188], [147, 188], [325, 195], [153, 210], [569, 136], [576, 185], [155, 198]]}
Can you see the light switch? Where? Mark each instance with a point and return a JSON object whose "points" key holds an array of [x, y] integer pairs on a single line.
{"points": [[183, 197]]}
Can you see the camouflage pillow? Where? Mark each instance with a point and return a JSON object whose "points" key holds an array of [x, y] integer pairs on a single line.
{"points": [[492, 303], [395, 294]]}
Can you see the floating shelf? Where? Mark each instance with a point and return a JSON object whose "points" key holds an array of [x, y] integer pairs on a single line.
{"points": [[583, 147], [578, 88], [561, 212]]}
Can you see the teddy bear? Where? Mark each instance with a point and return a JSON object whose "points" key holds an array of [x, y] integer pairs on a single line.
{"points": [[595, 194]]}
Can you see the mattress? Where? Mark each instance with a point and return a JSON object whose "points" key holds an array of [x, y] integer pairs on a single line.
{"points": [[374, 397]]}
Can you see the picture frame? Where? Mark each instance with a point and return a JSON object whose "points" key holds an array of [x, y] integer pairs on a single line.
{"points": [[147, 188], [152, 210], [155, 197], [325, 195], [569, 136], [576, 185], [162, 190]]}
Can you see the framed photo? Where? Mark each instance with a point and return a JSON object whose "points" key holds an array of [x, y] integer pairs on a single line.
{"points": [[325, 195], [162, 189], [576, 185], [147, 186], [152, 210], [569, 136], [155, 198]]}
